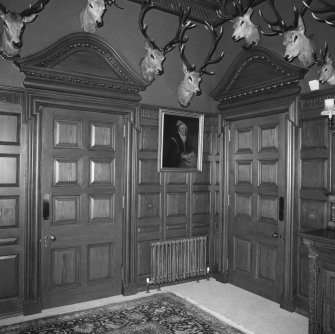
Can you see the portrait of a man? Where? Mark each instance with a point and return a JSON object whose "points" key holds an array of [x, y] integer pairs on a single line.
{"points": [[181, 140]]}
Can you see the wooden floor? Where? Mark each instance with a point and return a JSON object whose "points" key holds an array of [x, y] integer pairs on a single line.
{"points": [[249, 312]]}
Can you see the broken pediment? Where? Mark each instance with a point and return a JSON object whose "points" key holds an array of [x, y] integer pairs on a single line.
{"points": [[256, 74], [82, 61]]}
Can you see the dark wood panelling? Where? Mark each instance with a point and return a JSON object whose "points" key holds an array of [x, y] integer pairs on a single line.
{"points": [[9, 211], [100, 262], [13, 152], [9, 278], [173, 204], [65, 268], [9, 170], [242, 255], [313, 179], [10, 125]]}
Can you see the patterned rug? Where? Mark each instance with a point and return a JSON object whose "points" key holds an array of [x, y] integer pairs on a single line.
{"points": [[162, 313]]}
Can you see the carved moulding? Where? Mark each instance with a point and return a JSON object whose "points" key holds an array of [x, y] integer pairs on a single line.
{"points": [[82, 63], [257, 76]]}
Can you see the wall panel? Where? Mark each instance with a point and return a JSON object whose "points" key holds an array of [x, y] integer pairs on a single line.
{"points": [[173, 205], [12, 202], [313, 180]]}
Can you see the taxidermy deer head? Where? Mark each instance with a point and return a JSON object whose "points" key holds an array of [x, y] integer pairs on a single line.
{"points": [[91, 17], [190, 85], [328, 9], [13, 27], [294, 38], [242, 25], [327, 71], [152, 63]]}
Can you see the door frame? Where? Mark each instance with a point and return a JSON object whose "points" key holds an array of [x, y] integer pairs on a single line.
{"points": [[287, 300], [35, 103]]}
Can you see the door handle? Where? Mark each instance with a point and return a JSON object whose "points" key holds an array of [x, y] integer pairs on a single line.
{"points": [[46, 207], [281, 208], [276, 236], [48, 237]]}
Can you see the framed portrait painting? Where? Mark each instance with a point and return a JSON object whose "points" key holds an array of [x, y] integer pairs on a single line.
{"points": [[180, 141]]}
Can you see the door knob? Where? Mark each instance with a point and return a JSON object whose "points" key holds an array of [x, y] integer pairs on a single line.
{"points": [[276, 235], [48, 237]]}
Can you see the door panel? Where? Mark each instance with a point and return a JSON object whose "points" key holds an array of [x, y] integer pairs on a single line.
{"points": [[82, 218], [257, 181]]}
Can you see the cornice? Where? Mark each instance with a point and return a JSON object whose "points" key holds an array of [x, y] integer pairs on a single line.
{"points": [[315, 99]]}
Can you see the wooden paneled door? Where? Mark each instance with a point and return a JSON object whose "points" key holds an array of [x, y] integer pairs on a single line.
{"points": [[256, 208], [82, 193]]}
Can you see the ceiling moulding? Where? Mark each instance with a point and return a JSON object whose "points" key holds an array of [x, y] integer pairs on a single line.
{"points": [[201, 10], [82, 63], [242, 85]]}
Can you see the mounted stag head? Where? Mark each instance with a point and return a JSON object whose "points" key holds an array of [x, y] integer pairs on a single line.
{"points": [[152, 63], [190, 85], [327, 70], [91, 17], [242, 25], [295, 40], [328, 9], [13, 27]]}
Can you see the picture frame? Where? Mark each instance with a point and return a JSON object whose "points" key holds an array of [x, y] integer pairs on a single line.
{"points": [[180, 141]]}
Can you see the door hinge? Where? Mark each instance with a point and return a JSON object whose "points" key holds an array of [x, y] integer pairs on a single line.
{"points": [[123, 202], [229, 135], [228, 200], [124, 130], [227, 264]]}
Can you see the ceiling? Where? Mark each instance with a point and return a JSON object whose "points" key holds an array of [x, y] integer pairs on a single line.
{"points": [[202, 10]]}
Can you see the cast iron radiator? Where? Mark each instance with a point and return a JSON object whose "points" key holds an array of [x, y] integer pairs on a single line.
{"points": [[177, 260]]}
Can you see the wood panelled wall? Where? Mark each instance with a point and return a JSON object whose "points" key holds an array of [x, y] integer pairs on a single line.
{"points": [[12, 200], [313, 179], [175, 204]]}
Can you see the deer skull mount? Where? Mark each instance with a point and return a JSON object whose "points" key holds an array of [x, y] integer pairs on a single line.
{"points": [[91, 17], [327, 70], [328, 9], [190, 85], [297, 44], [13, 27], [152, 63], [243, 28]]}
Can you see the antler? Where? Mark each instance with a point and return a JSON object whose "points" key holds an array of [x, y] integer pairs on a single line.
{"points": [[222, 16], [278, 27], [36, 8], [208, 60], [240, 8], [182, 40], [3, 8], [113, 2], [215, 41], [329, 8], [145, 7], [184, 23]]}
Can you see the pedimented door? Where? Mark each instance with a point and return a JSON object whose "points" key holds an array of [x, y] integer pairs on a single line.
{"points": [[81, 190], [256, 210]]}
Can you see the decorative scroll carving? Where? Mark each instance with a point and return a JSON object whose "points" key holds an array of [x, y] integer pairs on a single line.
{"points": [[312, 255], [239, 84], [10, 95], [63, 67]]}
